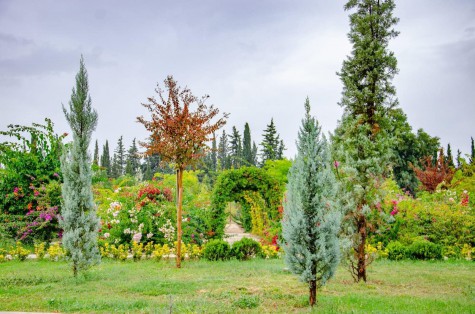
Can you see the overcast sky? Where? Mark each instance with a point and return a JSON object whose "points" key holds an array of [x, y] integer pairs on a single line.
{"points": [[256, 60]]}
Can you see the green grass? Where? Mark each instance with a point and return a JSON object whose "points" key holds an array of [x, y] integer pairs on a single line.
{"points": [[258, 286]]}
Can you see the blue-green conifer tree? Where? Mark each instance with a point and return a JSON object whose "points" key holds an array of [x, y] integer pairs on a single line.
{"points": [[312, 219], [78, 215]]}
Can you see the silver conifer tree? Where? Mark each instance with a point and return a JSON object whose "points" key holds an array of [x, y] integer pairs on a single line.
{"points": [[78, 215], [312, 219]]}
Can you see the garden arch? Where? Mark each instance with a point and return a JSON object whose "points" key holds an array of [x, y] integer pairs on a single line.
{"points": [[239, 185]]}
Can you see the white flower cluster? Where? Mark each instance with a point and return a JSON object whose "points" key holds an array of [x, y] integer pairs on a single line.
{"points": [[168, 231]]}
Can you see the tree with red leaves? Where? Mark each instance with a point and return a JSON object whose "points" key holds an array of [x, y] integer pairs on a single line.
{"points": [[179, 134], [434, 173]]}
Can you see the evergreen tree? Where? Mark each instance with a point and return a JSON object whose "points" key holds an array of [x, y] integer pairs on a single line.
{"points": [[362, 139], [247, 146], [79, 221], [119, 158], [223, 152], [105, 159], [115, 170], [472, 153], [311, 218], [235, 149], [254, 154], [449, 159], [214, 155], [270, 143], [95, 161], [459, 158], [133, 160], [280, 151]]}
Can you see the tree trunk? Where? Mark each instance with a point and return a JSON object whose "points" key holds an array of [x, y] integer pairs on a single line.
{"points": [[178, 216], [361, 248], [313, 292]]}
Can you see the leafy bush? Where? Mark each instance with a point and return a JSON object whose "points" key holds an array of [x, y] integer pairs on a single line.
{"points": [[247, 302], [396, 251], [216, 250], [246, 248], [425, 250]]}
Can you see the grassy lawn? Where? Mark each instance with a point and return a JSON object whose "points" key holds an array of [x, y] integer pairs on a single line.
{"points": [[227, 287]]}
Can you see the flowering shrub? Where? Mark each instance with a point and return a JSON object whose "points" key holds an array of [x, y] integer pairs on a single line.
{"points": [[40, 250], [19, 252], [55, 252], [269, 251]]}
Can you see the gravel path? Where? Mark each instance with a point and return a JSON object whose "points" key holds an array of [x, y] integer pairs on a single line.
{"points": [[234, 232]]}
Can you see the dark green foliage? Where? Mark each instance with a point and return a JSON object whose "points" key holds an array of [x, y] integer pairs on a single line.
{"points": [[235, 149], [247, 302], [271, 147], [425, 250], [29, 162], [396, 251], [247, 147], [95, 159], [449, 159], [119, 162], [472, 152], [246, 249], [216, 250], [105, 158], [232, 185], [214, 155], [133, 160], [224, 161]]}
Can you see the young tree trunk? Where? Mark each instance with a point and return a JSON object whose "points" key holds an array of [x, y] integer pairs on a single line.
{"points": [[361, 248], [178, 216], [313, 292]]}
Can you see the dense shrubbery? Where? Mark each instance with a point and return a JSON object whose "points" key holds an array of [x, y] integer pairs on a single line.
{"points": [[245, 249], [217, 250]]}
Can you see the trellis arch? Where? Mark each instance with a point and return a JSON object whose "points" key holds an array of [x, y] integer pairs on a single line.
{"points": [[237, 185]]}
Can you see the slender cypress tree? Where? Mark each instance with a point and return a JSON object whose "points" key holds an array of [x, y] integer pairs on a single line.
{"points": [[247, 146], [362, 139], [95, 161], [133, 160], [214, 154], [254, 154], [119, 156], [79, 221], [235, 148], [449, 160], [223, 152], [105, 158], [311, 218], [472, 152]]}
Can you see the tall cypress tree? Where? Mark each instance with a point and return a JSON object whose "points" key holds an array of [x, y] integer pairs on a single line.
{"points": [[235, 148], [449, 160], [133, 160], [105, 158], [247, 146], [472, 153], [95, 161], [459, 158], [223, 152], [254, 154], [119, 157], [311, 218], [79, 221], [362, 139], [214, 154]]}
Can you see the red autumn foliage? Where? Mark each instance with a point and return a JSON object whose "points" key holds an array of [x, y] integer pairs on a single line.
{"points": [[434, 173]]}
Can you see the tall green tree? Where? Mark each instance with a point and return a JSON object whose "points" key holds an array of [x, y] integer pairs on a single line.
{"points": [[214, 154], [95, 160], [270, 143], [312, 218], [235, 148], [472, 152], [132, 164], [223, 152], [247, 146], [363, 138], [449, 159], [105, 159], [79, 220], [120, 156]]}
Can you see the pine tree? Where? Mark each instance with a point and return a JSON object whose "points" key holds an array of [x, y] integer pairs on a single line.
{"points": [[449, 159], [95, 161], [79, 221], [115, 170], [235, 148], [223, 152], [362, 140], [280, 151], [105, 159], [270, 143], [133, 160], [247, 146], [214, 154], [254, 154], [311, 218], [120, 158], [459, 158]]}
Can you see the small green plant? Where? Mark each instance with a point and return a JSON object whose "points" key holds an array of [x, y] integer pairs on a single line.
{"points": [[396, 251], [217, 250], [422, 249], [137, 251], [121, 252], [247, 302], [246, 248]]}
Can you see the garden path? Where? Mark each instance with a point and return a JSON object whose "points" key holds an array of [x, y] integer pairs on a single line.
{"points": [[234, 232]]}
